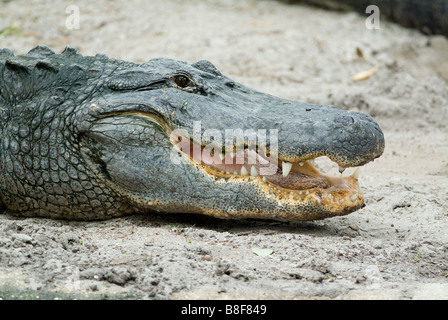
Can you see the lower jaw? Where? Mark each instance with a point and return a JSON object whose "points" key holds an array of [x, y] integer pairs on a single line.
{"points": [[303, 187], [340, 196]]}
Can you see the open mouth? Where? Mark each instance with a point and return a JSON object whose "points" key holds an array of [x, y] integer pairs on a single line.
{"points": [[284, 180]]}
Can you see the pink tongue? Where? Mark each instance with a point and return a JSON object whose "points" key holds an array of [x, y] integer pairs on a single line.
{"points": [[226, 163], [248, 158]]}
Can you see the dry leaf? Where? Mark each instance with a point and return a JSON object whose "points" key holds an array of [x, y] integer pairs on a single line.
{"points": [[262, 252], [363, 75]]}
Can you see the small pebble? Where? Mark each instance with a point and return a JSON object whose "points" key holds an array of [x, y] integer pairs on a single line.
{"points": [[377, 244], [207, 257], [94, 287]]}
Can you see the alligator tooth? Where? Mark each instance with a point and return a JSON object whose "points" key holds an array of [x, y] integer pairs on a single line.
{"points": [[330, 197], [301, 163], [264, 179], [340, 201], [354, 197], [262, 160], [286, 167], [311, 161], [253, 171], [235, 173], [356, 174], [341, 169], [244, 171]]}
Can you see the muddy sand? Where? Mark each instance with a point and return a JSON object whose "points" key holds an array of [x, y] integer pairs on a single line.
{"points": [[394, 248]]}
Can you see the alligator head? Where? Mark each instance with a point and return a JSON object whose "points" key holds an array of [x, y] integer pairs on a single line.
{"points": [[93, 137]]}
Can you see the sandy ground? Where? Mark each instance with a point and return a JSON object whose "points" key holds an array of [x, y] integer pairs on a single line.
{"points": [[394, 248]]}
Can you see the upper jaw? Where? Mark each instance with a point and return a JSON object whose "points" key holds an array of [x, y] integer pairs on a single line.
{"points": [[347, 145], [305, 131]]}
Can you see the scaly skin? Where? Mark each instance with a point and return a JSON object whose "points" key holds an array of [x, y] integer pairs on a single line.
{"points": [[93, 138]]}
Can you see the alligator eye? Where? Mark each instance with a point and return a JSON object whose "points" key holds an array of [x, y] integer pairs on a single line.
{"points": [[182, 81]]}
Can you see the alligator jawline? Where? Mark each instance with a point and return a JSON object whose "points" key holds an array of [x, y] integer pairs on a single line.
{"points": [[303, 182]]}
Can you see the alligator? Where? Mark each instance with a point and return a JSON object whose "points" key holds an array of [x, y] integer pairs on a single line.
{"points": [[429, 16], [91, 137]]}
